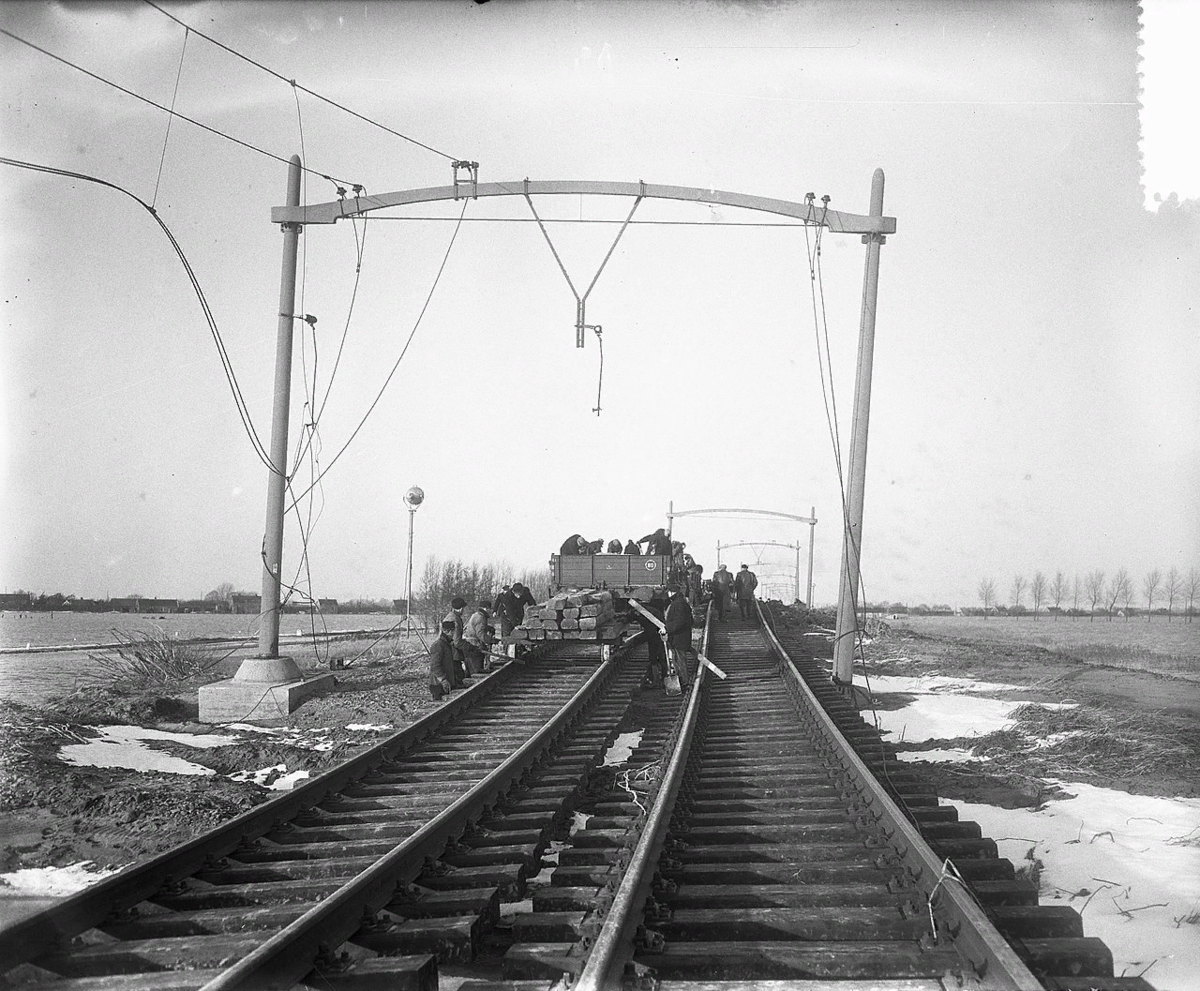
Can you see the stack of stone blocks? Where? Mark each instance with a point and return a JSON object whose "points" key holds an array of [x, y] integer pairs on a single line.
{"points": [[586, 615]]}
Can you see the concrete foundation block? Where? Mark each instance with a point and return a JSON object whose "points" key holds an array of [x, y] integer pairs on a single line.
{"points": [[258, 702]]}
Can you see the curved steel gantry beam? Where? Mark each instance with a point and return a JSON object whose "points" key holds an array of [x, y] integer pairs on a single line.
{"points": [[672, 513], [810, 212]]}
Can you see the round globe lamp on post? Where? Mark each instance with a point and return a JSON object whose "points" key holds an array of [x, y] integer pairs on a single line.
{"points": [[412, 499]]}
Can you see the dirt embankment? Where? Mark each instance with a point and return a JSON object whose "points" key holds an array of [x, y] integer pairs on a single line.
{"points": [[53, 813]]}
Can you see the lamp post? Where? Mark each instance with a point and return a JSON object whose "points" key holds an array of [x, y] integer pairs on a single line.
{"points": [[412, 499]]}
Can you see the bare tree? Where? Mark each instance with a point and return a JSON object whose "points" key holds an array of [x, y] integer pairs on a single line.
{"points": [[1037, 589], [1171, 588], [1190, 591], [1076, 588], [1058, 591], [1150, 586], [1127, 594], [222, 593], [1017, 590], [987, 595], [1117, 587], [1094, 583]]}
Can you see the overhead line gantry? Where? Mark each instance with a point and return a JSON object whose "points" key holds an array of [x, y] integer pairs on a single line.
{"points": [[873, 227]]}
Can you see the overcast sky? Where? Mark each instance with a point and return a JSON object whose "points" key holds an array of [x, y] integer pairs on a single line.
{"points": [[1035, 402]]}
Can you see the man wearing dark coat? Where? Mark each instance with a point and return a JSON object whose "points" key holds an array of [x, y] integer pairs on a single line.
{"points": [[455, 617], [678, 621], [632, 548], [656, 662], [441, 662], [658, 543], [509, 610], [743, 586], [524, 596], [573, 545]]}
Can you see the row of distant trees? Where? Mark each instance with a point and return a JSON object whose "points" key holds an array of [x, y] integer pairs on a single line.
{"points": [[443, 579], [1099, 592]]}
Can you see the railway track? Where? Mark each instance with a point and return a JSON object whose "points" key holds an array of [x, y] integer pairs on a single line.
{"points": [[776, 854], [362, 872], [745, 839]]}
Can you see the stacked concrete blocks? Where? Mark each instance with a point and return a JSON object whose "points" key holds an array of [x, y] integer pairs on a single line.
{"points": [[584, 615]]}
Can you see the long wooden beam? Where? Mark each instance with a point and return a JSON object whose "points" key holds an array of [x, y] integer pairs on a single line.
{"points": [[815, 214]]}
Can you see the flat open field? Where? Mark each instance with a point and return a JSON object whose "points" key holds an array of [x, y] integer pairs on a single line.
{"points": [[1158, 646], [32, 674]]}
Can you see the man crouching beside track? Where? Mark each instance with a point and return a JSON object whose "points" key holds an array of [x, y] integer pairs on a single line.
{"points": [[441, 661]]}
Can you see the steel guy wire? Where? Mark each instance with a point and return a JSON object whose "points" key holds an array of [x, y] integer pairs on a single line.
{"points": [[167, 136], [396, 365]]}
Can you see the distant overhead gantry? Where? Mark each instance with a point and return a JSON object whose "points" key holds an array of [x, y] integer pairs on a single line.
{"points": [[811, 520]]}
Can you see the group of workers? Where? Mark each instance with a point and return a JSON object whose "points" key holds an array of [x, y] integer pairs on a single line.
{"points": [[726, 586], [464, 645], [658, 542]]}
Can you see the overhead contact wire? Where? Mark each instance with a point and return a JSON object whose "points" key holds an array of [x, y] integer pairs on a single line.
{"points": [[296, 85], [167, 110], [226, 362]]}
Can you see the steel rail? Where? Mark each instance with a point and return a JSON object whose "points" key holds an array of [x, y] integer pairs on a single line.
{"points": [[614, 943], [975, 938], [86, 909], [290, 954], [837, 221]]}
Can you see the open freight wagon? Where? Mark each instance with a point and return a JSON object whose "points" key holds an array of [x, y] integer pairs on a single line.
{"points": [[627, 576]]}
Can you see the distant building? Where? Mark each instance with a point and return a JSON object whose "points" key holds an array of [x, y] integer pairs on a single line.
{"points": [[15, 600], [158, 605], [201, 605], [247, 605], [326, 607]]}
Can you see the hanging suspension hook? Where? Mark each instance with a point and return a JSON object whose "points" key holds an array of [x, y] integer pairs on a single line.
{"points": [[600, 382], [581, 324]]}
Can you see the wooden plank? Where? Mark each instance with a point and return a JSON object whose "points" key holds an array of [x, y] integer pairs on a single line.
{"points": [[396, 973], [455, 938], [810, 924], [769, 958]]}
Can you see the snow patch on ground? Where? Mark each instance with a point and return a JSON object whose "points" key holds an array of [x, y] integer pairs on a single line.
{"points": [[622, 748], [54, 881], [946, 708], [1130, 864], [1123, 862], [949, 756], [122, 746], [274, 778]]}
